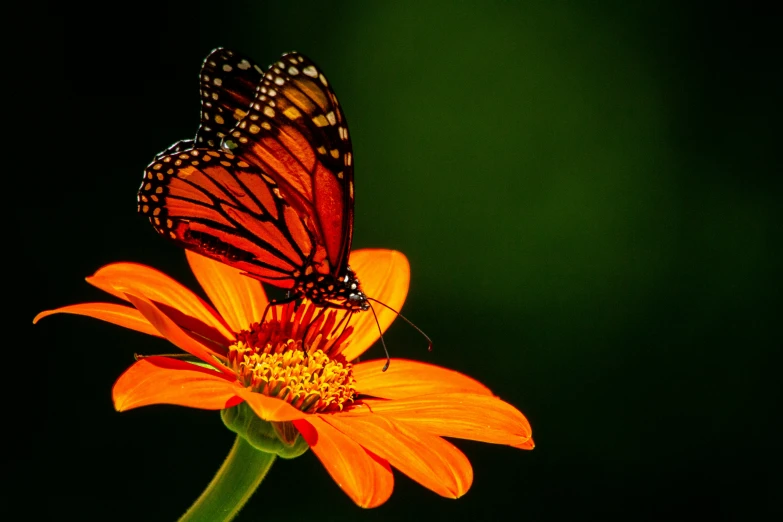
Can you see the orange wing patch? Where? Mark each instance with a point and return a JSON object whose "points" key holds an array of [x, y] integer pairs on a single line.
{"points": [[192, 179], [313, 92], [230, 182], [239, 242], [266, 231], [330, 208], [297, 230], [275, 157], [183, 209], [259, 187]]}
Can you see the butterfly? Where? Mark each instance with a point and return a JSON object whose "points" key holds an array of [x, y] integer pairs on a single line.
{"points": [[267, 184]]}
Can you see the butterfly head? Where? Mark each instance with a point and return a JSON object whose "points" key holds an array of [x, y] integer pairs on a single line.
{"points": [[356, 297]]}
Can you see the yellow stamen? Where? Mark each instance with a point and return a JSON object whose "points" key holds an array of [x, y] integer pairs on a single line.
{"points": [[269, 358]]}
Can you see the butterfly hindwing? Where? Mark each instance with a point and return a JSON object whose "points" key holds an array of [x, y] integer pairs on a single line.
{"points": [[296, 132], [228, 84], [176, 148], [221, 206]]}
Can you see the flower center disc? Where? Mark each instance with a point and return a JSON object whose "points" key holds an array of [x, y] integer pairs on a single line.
{"points": [[269, 358]]}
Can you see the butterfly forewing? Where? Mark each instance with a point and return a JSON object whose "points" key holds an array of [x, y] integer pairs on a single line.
{"points": [[225, 208], [296, 132], [228, 87]]}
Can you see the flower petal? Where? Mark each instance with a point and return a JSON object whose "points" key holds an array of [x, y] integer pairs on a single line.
{"points": [[162, 380], [173, 333], [364, 477], [111, 313], [406, 378], [384, 276], [429, 460], [177, 301], [527, 445], [270, 408], [240, 299], [462, 415]]}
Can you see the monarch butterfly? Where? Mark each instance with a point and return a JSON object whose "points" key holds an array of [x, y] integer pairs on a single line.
{"points": [[267, 184]]}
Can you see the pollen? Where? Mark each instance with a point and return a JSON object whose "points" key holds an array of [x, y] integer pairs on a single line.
{"points": [[271, 359]]}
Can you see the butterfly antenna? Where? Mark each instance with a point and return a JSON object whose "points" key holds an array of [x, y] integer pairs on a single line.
{"points": [[388, 360], [429, 341]]}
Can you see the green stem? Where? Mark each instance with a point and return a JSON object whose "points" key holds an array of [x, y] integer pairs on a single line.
{"points": [[236, 480]]}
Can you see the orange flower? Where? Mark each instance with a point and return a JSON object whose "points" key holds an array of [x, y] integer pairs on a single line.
{"points": [[357, 419]]}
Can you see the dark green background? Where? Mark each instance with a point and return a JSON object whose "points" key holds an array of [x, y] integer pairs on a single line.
{"points": [[587, 199]]}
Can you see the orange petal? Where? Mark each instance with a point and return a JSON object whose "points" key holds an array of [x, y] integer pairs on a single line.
{"points": [[270, 408], [429, 460], [109, 312], [528, 445], [174, 333], [384, 276], [176, 300], [406, 378], [161, 380], [239, 299], [364, 477], [462, 415]]}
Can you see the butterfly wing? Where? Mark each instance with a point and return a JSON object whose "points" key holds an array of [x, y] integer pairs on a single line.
{"points": [[228, 84], [221, 206], [176, 148], [296, 132]]}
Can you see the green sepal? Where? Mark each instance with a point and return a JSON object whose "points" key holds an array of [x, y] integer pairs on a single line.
{"points": [[279, 438]]}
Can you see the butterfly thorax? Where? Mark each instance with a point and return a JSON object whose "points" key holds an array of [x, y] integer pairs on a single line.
{"points": [[333, 291]]}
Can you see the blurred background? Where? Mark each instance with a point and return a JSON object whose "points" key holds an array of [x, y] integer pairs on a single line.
{"points": [[589, 196]]}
